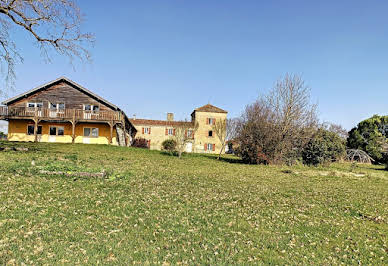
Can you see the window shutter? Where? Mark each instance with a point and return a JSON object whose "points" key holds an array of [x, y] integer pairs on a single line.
{"points": [[214, 147], [205, 147], [174, 132], [166, 131], [192, 135], [186, 133], [142, 130], [149, 131], [214, 121], [207, 121]]}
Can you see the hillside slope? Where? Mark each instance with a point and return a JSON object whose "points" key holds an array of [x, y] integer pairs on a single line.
{"points": [[155, 208]]}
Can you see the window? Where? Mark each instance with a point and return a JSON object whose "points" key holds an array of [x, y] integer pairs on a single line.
{"points": [[210, 133], [61, 106], [91, 107], [211, 121], [57, 131], [53, 106], [210, 147], [57, 106], [33, 105], [95, 132], [90, 132], [61, 131], [87, 132], [170, 131], [53, 131], [30, 130], [146, 130]]}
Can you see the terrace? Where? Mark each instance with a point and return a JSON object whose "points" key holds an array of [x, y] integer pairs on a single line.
{"points": [[47, 114]]}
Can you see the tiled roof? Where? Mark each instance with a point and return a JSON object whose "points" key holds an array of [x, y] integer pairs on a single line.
{"points": [[149, 122], [210, 108]]}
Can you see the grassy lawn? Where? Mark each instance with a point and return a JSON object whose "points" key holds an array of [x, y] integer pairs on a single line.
{"points": [[156, 208]]}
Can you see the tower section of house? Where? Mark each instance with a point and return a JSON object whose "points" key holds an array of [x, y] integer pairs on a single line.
{"points": [[198, 131], [206, 117], [65, 112]]}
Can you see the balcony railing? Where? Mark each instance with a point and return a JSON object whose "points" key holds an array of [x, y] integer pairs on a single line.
{"points": [[54, 114]]}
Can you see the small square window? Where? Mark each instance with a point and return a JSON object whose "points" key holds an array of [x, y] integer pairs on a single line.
{"points": [[53, 131], [61, 106], [96, 108], [94, 132], [53, 106], [86, 132], [87, 107], [39, 105], [61, 131], [210, 133], [31, 105], [30, 129]]}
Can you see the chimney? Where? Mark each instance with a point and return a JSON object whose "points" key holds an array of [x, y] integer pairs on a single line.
{"points": [[170, 117], [134, 116]]}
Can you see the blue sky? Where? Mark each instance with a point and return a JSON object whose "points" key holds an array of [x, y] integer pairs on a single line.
{"points": [[153, 57]]}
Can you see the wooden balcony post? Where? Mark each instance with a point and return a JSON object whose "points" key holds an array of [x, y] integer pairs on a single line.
{"points": [[72, 131], [36, 129], [125, 133], [111, 132]]}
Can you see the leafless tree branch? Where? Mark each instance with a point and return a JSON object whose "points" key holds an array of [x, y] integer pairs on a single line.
{"points": [[54, 24]]}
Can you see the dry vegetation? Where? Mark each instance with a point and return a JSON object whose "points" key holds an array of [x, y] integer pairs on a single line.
{"points": [[157, 208]]}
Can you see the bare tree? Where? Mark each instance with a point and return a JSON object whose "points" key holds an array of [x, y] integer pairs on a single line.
{"points": [[53, 24], [184, 133], [295, 117], [336, 128], [225, 130], [277, 126]]}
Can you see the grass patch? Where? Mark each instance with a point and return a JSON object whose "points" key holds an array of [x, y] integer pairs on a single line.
{"points": [[154, 208]]}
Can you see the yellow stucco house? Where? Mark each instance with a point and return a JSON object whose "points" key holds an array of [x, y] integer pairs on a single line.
{"points": [[65, 112], [200, 128]]}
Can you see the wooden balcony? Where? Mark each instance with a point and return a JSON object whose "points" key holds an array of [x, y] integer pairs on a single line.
{"points": [[45, 114]]}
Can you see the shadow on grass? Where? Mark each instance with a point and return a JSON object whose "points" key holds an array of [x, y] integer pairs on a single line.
{"points": [[224, 158]]}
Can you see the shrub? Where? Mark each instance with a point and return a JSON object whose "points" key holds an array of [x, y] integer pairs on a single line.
{"points": [[370, 136], [169, 145], [140, 143], [324, 147]]}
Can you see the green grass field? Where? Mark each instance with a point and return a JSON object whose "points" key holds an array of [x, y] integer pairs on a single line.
{"points": [[154, 208]]}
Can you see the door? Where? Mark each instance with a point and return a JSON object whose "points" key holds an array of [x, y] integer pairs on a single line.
{"points": [[189, 147]]}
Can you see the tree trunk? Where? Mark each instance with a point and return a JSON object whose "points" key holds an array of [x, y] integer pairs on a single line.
{"points": [[219, 155]]}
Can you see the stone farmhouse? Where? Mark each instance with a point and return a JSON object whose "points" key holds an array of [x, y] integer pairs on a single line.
{"points": [[63, 111], [203, 137]]}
